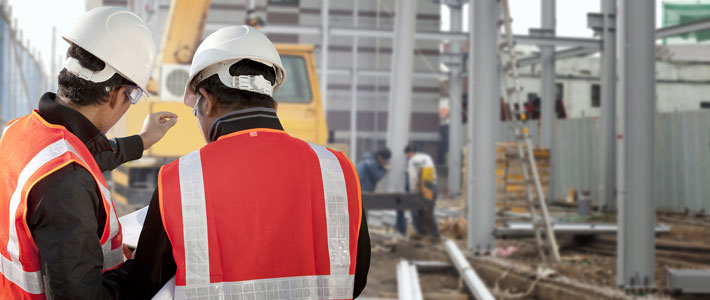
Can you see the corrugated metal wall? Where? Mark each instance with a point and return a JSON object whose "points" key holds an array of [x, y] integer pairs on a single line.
{"points": [[682, 158], [22, 80]]}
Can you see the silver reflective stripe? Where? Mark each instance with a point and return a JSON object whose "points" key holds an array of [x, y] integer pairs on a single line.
{"points": [[50, 152], [336, 210], [301, 287], [31, 282], [7, 127], [194, 219]]}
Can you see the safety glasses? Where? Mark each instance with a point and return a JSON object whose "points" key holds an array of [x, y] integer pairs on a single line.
{"points": [[133, 93], [197, 103]]}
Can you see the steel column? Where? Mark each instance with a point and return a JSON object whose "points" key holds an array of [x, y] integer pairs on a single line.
{"points": [[325, 32], [607, 138], [483, 109], [353, 91], [400, 104], [455, 105], [547, 105], [635, 126]]}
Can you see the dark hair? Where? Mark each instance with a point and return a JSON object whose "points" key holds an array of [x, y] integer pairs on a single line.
{"points": [[411, 148], [235, 99], [384, 153], [83, 92]]}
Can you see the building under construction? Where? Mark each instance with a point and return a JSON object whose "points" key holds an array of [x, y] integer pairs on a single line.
{"points": [[567, 166]]}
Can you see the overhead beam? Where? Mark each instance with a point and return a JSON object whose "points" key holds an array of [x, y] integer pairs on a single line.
{"points": [[682, 29], [424, 35]]}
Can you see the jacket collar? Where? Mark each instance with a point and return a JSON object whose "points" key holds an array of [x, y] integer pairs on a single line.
{"points": [[250, 118], [55, 113]]}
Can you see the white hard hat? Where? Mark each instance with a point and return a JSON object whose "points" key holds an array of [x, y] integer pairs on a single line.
{"points": [[120, 39], [224, 47]]}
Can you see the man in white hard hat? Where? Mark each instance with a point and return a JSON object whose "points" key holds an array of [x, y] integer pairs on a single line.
{"points": [[59, 232], [256, 213]]}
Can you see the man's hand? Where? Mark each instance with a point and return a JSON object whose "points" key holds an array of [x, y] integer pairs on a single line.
{"points": [[155, 126]]}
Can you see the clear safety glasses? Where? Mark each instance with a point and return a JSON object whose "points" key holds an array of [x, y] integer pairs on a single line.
{"points": [[133, 93]]}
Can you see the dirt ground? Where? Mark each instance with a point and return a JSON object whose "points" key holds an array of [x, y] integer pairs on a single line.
{"points": [[589, 260]]}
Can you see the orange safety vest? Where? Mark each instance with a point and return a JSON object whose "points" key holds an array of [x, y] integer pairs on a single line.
{"points": [[30, 150], [259, 214]]}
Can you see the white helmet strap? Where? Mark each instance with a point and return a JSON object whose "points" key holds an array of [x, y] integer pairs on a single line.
{"points": [[74, 67], [251, 83]]}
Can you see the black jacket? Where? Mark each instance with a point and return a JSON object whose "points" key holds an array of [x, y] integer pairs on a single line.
{"points": [[66, 214], [154, 263]]}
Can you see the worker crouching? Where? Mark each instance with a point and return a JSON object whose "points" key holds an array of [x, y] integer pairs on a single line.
{"points": [[255, 213]]}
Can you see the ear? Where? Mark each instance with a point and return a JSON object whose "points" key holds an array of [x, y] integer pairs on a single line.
{"points": [[209, 103], [117, 97]]}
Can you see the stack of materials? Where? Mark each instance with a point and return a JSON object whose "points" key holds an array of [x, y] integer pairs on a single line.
{"points": [[509, 174]]}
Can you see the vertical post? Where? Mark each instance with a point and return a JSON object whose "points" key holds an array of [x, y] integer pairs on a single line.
{"points": [[547, 107], [251, 9], [353, 90], [607, 136], [53, 67], [400, 103], [325, 33], [635, 125], [455, 107], [483, 124]]}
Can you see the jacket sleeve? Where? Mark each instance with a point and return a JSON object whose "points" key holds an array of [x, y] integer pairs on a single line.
{"points": [[126, 149], [65, 216], [376, 171], [362, 264], [154, 256]]}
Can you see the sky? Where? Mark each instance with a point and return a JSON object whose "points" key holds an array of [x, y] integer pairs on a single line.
{"points": [[37, 17]]}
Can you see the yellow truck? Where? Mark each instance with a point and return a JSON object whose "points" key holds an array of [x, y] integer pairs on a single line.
{"points": [[300, 106]]}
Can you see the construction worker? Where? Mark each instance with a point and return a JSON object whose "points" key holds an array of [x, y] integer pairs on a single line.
{"points": [[59, 232], [421, 178], [372, 168], [255, 213]]}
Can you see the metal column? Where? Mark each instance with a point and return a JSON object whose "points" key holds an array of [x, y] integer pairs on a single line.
{"points": [[353, 90], [400, 102], [607, 136], [635, 126], [483, 124], [547, 105], [325, 32], [455, 105]]}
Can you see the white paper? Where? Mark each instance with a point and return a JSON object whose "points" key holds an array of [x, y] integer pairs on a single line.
{"points": [[167, 292], [131, 225]]}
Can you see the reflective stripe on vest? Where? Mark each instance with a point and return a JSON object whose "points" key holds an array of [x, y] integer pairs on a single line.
{"points": [[338, 285], [12, 269]]}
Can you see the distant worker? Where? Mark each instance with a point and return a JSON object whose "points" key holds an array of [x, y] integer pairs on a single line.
{"points": [[59, 232], [421, 178], [255, 213], [372, 168]]}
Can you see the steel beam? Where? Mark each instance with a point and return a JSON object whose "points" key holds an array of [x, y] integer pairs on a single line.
{"points": [[353, 91], [455, 105], [404, 281], [688, 281], [381, 73], [400, 103], [474, 283], [682, 29], [607, 138], [547, 107], [484, 106], [561, 54], [400, 201], [525, 229], [635, 127], [325, 19]]}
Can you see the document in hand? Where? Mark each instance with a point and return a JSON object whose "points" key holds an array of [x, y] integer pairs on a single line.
{"points": [[131, 225]]}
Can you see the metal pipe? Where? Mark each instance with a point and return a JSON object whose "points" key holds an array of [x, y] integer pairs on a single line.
{"points": [[400, 103], [636, 46], [324, 31], [474, 283], [416, 287], [455, 105], [483, 124], [353, 91], [607, 138], [404, 283], [548, 101]]}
